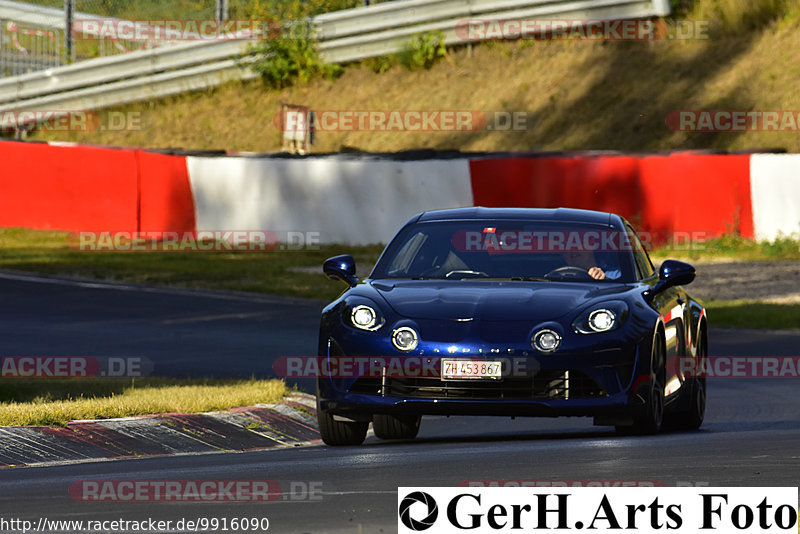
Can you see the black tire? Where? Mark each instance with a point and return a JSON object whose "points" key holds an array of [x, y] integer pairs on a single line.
{"points": [[651, 417], [338, 433], [693, 411], [693, 419], [396, 427]]}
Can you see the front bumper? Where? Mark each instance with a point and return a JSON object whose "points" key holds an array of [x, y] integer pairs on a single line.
{"points": [[602, 383]]}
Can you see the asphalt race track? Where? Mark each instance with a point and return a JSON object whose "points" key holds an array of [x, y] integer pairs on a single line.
{"points": [[750, 437], [183, 333]]}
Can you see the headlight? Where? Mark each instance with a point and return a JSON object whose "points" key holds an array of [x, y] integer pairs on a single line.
{"points": [[364, 317], [601, 318], [405, 338], [546, 340]]}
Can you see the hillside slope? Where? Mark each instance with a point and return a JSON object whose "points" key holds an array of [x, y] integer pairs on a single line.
{"points": [[578, 95]]}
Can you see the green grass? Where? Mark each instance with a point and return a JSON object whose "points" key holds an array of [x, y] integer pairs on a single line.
{"points": [[749, 314], [265, 272], [58, 401], [733, 248]]}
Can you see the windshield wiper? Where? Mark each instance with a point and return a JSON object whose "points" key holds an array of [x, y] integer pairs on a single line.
{"points": [[530, 279]]}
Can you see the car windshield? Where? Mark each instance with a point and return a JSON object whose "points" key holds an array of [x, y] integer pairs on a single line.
{"points": [[514, 250]]}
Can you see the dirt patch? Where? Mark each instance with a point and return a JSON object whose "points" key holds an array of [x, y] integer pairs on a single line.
{"points": [[772, 281]]}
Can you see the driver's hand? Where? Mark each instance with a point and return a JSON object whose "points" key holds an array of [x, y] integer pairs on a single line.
{"points": [[597, 273]]}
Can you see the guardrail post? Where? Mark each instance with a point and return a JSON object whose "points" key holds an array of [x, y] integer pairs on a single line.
{"points": [[69, 51], [222, 10]]}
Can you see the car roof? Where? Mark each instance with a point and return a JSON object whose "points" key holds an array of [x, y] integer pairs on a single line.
{"points": [[524, 214]]}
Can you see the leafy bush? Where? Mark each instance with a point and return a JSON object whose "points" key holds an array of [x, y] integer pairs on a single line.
{"points": [[381, 64], [283, 61], [291, 55], [423, 51]]}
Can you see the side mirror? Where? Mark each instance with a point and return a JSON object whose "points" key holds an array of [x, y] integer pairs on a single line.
{"points": [[675, 273], [672, 273], [341, 268]]}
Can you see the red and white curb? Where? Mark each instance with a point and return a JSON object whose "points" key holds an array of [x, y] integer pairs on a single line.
{"points": [[290, 423]]}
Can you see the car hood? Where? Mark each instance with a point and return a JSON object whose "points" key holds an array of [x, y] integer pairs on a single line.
{"points": [[491, 301]]}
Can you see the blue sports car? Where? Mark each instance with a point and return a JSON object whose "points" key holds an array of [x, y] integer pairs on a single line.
{"points": [[512, 312]]}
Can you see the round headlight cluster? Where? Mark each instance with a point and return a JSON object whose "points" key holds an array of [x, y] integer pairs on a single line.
{"points": [[601, 320], [405, 338], [364, 317], [546, 340]]}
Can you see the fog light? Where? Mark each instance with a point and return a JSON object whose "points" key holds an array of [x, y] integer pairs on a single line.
{"points": [[405, 339], [546, 340]]}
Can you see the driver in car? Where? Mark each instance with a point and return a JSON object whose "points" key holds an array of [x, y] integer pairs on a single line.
{"points": [[585, 259]]}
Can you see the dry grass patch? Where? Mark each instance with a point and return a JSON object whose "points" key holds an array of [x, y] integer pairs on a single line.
{"points": [[59, 401]]}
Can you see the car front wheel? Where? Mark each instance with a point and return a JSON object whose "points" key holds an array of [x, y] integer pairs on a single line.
{"points": [[651, 416], [692, 419], [339, 433], [691, 416]]}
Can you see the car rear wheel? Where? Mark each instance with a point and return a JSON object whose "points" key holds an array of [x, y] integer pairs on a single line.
{"points": [[396, 427], [652, 415], [337, 433]]}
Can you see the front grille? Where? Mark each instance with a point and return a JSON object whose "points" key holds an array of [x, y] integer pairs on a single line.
{"points": [[544, 385]]}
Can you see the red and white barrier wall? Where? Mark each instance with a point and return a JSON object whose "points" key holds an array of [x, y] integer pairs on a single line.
{"points": [[352, 200], [346, 200]]}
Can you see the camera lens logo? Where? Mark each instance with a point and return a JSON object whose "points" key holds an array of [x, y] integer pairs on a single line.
{"points": [[405, 511]]}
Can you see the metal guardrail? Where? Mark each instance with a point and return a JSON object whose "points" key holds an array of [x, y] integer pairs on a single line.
{"points": [[388, 27], [344, 36]]}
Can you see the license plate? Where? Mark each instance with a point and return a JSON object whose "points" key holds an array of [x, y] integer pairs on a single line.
{"points": [[466, 369]]}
